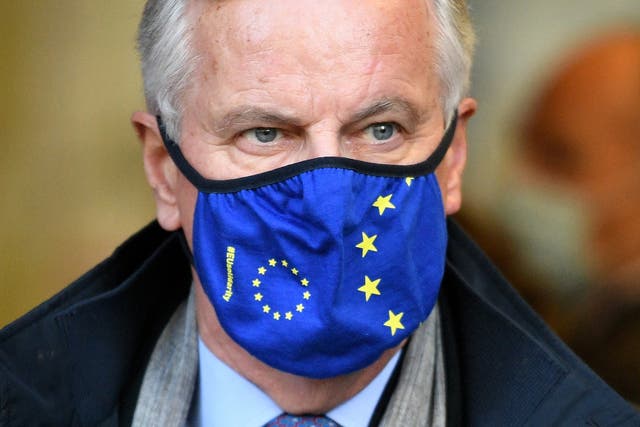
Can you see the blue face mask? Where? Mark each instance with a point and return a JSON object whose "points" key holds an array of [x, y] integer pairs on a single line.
{"points": [[318, 267]]}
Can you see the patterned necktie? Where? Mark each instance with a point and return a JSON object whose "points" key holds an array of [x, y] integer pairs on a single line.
{"points": [[287, 420]]}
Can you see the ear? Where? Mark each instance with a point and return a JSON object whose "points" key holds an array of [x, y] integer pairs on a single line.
{"points": [[451, 170], [160, 170]]}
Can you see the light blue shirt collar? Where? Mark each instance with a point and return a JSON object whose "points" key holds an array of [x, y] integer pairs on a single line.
{"points": [[225, 398]]}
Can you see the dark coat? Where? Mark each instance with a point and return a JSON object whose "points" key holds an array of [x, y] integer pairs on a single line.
{"points": [[78, 359]]}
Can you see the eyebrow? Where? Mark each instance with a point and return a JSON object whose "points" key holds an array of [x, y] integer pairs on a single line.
{"points": [[249, 116], [385, 105]]}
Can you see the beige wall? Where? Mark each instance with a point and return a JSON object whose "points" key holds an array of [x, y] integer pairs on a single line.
{"points": [[71, 181]]}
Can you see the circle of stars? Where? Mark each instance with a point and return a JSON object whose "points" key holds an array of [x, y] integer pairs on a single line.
{"points": [[275, 313]]}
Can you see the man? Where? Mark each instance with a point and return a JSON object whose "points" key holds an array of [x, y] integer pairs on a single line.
{"points": [[309, 152]]}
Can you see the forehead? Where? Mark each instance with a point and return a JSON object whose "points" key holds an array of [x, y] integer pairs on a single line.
{"points": [[311, 36], [255, 23]]}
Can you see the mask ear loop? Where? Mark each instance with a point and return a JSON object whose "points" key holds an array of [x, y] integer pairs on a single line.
{"points": [[178, 158], [187, 170]]}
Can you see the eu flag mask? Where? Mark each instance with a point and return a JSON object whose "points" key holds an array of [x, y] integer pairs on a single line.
{"points": [[318, 267]]}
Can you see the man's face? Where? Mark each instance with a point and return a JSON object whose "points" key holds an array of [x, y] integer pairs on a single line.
{"points": [[283, 81]]}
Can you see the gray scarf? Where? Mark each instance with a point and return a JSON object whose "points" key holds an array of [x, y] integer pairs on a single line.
{"points": [[170, 378]]}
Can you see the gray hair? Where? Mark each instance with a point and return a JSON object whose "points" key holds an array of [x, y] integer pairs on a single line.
{"points": [[454, 52], [168, 60]]}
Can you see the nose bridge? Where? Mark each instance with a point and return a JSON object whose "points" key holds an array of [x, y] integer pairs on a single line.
{"points": [[324, 140]]}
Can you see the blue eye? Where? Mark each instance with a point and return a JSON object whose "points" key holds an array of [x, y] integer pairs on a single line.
{"points": [[382, 131], [265, 135]]}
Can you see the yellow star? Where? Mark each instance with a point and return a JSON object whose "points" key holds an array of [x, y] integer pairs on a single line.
{"points": [[266, 309], [409, 180], [383, 203], [304, 282], [367, 244], [394, 322], [294, 271], [289, 315], [276, 315], [256, 283], [285, 263], [370, 287], [306, 295], [299, 308], [262, 270], [258, 297], [272, 262]]}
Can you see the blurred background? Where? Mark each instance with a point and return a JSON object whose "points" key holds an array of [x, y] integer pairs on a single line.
{"points": [[551, 190], [71, 181], [553, 180]]}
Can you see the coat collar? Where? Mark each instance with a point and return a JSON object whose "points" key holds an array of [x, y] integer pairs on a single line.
{"points": [[110, 336]]}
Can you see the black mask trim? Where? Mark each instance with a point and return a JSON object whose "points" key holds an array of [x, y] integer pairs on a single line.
{"points": [[254, 181]]}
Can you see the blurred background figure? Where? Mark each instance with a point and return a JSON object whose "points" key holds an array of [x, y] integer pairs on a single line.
{"points": [[576, 211], [557, 222], [569, 220], [581, 139]]}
